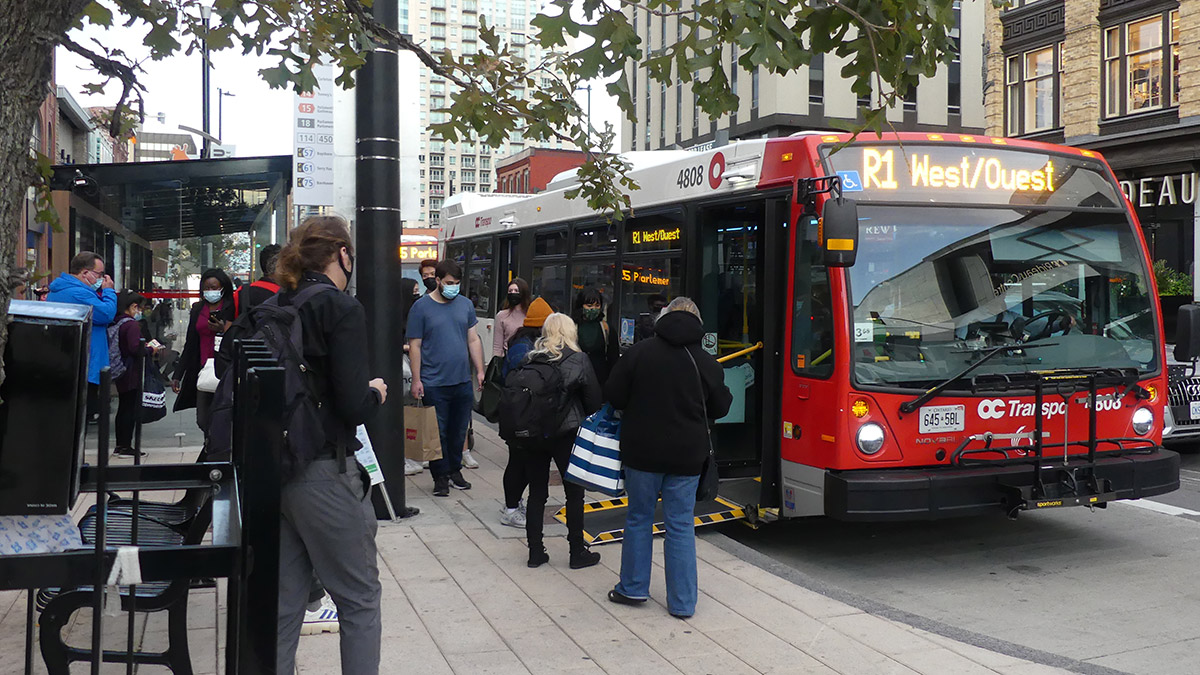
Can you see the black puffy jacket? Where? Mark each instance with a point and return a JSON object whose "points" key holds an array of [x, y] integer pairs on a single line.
{"points": [[583, 394], [662, 399]]}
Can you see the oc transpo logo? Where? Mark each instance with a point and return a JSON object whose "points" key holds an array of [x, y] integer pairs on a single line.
{"points": [[991, 409], [716, 169]]}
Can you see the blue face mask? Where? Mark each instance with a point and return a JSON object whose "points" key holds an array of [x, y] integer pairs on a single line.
{"points": [[97, 284], [450, 292], [137, 317], [212, 296]]}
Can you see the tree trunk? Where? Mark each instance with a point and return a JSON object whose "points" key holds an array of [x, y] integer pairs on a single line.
{"points": [[29, 32]]}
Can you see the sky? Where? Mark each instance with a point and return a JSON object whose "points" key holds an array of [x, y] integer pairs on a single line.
{"points": [[256, 119]]}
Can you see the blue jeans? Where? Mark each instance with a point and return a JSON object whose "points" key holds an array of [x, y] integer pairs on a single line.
{"points": [[453, 404], [637, 552]]}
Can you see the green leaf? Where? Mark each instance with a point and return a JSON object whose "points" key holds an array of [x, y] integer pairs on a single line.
{"points": [[98, 14]]}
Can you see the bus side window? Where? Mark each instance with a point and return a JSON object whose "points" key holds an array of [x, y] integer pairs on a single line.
{"points": [[812, 314]]}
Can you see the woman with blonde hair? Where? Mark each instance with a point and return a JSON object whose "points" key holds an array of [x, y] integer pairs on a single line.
{"points": [[581, 396]]}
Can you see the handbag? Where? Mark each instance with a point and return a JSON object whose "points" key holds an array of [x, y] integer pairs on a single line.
{"points": [[207, 380], [422, 439], [710, 480], [154, 393], [596, 456], [493, 386]]}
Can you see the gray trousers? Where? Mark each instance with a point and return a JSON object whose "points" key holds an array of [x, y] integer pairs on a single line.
{"points": [[327, 525]]}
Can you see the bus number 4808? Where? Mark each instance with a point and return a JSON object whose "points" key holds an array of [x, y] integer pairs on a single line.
{"points": [[690, 177]]}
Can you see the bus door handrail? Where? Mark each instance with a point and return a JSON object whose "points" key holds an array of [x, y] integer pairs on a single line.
{"points": [[743, 352]]}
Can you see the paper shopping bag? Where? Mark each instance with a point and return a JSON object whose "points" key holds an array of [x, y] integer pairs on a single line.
{"points": [[422, 441]]}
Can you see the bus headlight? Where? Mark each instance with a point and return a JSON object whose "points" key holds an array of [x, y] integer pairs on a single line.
{"points": [[1143, 419], [869, 438]]}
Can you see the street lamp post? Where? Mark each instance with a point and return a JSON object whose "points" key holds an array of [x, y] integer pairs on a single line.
{"points": [[221, 94], [205, 85]]}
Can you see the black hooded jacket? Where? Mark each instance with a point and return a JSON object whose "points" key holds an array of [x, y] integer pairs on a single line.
{"points": [[662, 400]]}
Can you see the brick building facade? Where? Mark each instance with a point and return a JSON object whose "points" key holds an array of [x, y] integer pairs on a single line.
{"points": [[1116, 76]]}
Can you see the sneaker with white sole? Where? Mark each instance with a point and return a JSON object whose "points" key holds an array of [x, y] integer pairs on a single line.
{"points": [[411, 468], [322, 620], [468, 461], [514, 518]]}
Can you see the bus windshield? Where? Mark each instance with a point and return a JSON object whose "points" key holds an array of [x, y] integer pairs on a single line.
{"points": [[933, 287]]}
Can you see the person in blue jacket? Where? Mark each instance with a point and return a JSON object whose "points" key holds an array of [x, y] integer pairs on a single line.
{"points": [[87, 284]]}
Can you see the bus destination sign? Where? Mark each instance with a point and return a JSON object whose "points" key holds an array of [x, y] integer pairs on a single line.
{"points": [[981, 174]]}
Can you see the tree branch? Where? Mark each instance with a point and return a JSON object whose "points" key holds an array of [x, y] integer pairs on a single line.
{"points": [[112, 69], [390, 38]]}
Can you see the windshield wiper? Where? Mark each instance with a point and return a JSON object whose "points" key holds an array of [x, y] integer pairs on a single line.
{"points": [[909, 406]]}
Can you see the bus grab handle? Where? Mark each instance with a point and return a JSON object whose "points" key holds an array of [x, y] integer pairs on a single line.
{"points": [[747, 350]]}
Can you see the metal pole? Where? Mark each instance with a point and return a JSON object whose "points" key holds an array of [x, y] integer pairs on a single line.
{"points": [[378, 230], [205, 84], [221, 116]]}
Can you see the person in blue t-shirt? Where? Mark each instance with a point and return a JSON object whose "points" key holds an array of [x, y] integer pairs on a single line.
{"points": [[443, 347]]}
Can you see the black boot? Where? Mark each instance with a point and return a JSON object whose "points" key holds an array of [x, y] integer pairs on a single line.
{"points": [[581, 557], [538, 555]]}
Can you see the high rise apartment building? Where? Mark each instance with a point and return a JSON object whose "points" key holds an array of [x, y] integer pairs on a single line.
{"points": [[1116, 76], [447, 168], [809, 98]]}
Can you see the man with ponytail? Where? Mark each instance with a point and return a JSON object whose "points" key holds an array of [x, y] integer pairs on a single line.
{"points": [[327, 524]]}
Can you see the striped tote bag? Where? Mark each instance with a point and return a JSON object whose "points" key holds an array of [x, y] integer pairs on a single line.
{"points": [[596, 456]]}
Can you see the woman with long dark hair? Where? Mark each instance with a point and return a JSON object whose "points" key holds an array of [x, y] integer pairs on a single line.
{"points": [[327, 524], [588, 314], [510, 319], [209, 318]]}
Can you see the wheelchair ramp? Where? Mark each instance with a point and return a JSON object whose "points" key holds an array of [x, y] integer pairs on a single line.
{"points": [[604, 520]]}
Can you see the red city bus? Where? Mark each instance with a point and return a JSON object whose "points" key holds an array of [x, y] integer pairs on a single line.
{"points": [[917, 326]]}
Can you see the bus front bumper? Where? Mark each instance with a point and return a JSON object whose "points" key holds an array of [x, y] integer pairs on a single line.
{"points": [[950, 492]]}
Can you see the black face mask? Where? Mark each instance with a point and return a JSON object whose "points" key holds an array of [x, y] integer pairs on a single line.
{"points": [[430, 283], [345, 271], [514, 299]]}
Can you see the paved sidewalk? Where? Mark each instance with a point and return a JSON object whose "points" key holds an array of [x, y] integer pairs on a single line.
{"points": [[458, 599]]}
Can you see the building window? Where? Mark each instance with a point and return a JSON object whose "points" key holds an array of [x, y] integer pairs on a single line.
{"points": [[1141, 65], [816, 80], [1032, 83]]}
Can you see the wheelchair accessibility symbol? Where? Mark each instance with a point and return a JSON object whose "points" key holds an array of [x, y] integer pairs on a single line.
{"points": [[850, 181]]}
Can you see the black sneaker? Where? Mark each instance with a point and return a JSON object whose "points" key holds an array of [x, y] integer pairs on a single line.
{"points": [[124, 451], [441, 487], [458, 482], [621, 599]]}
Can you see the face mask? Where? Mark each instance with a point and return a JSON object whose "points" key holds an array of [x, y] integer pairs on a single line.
{"points": [[97, 284], [514, 299], [591, 314], [345, 271], [430, 283], [137, 317], [212, 297], [449, 291]]}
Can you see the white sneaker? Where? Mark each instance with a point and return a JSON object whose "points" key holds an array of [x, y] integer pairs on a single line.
{"points": [[322, 620], [411, 468], [514, 518], [469, 461], [424, 465]]}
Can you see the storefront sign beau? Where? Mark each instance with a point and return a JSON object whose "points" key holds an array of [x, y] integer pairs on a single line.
{"points": [[312, 115]]}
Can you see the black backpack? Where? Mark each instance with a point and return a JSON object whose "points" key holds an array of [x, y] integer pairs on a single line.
{"points": [[280, 329], [531, 403]]}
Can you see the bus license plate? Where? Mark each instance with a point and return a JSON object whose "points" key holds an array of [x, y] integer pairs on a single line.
{"points": [[938, 418]]}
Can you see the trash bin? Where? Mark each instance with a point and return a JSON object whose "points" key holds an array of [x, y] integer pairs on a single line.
{"points": [[42, 418]]}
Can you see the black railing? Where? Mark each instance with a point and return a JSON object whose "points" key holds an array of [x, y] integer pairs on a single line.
{"points": [[244, 547]]}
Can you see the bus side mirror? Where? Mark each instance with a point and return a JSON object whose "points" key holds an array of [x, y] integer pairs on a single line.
{"points": [[839, 232], [1187, 334]]}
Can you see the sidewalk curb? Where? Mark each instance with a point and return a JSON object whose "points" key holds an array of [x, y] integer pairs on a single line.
{"points": [[769, 564]]}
